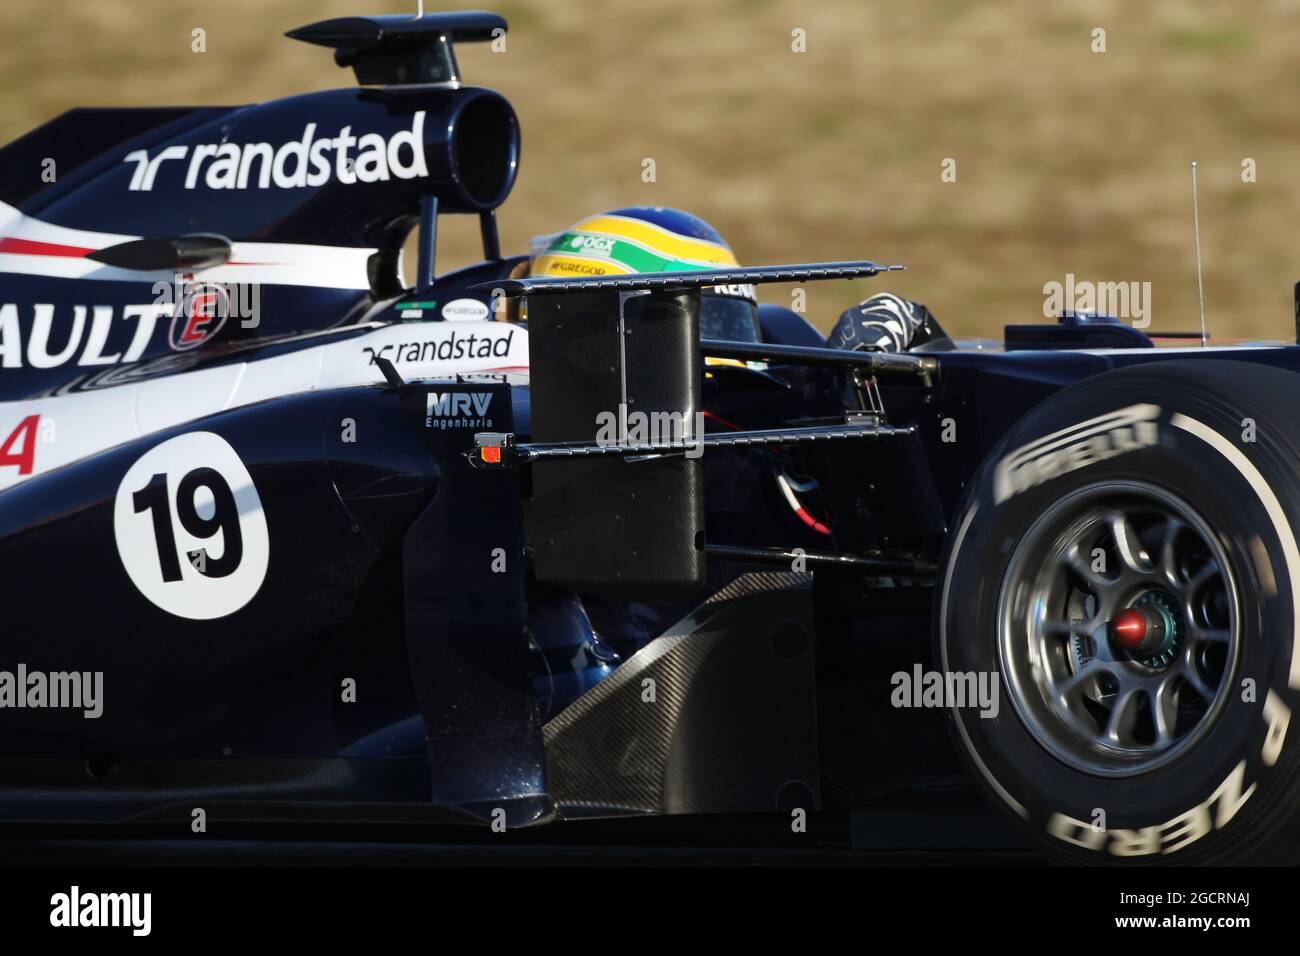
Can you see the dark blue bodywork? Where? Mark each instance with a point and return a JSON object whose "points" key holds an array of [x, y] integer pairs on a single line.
{"points": [[399, 650]]}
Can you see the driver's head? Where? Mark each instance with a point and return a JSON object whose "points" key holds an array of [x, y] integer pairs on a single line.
{"points": [[653, 239]]}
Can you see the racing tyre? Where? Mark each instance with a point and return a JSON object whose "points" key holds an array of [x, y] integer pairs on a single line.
{"points": [[1125, 564]]}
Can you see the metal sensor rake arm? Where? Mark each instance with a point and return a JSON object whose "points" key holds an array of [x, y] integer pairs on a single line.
{"points": [[696, 280], [687, 280], [925, 367]]}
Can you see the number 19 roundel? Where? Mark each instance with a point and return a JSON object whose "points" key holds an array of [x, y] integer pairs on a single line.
{"points": [[190, 528]]}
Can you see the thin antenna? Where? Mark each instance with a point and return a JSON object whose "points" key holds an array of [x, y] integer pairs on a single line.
{"points": [[1196, 228]]}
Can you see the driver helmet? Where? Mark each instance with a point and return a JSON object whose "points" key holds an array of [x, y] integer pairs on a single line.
{"points": [[653, 239]]}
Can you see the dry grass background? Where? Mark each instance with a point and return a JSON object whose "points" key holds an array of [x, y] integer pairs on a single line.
{"points": [[1067, 160]]}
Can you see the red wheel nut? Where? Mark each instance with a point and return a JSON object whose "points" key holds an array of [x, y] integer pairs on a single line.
{"points": [[1129, 628]]}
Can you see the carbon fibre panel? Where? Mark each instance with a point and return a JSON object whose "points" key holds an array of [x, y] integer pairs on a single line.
{"points": [[732, 723]]}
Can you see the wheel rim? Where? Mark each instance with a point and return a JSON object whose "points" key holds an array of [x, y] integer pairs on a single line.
{"points": [[1112, 563]]}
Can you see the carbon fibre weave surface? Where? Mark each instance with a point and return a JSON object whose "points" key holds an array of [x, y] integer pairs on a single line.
{"points": [[732, 717]]}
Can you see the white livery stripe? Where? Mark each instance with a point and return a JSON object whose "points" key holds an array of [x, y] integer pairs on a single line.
{"points": [[269, 263], [91, 421], [19, 226]]}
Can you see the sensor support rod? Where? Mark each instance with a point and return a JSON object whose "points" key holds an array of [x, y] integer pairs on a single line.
{"points": [[496, 449], [906, 362], [685, 280]]}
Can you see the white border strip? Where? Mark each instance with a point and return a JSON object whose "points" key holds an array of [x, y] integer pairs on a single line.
{"points": [[1274, 508], [943, 662]]}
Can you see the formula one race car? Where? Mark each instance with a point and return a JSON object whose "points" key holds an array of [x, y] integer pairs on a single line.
{"points": [[278, 532]]}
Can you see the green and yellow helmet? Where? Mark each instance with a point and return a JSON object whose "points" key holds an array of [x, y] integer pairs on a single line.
{"points": [[653, 239]]}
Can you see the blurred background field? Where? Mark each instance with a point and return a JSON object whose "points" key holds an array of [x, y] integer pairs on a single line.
{"points": [[1068, 161]]}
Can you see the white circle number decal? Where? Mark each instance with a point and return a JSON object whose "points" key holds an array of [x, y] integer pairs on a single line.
{"points": [[190, 528]]}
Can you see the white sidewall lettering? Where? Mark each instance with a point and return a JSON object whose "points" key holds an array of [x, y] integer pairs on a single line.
{"points": [[1073, 448]]}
